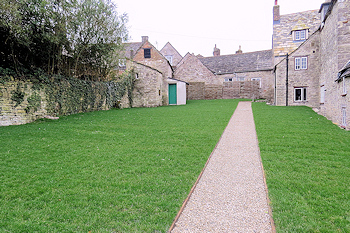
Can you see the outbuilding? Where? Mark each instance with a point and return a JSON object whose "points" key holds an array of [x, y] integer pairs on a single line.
{"points": [[176, 91]]}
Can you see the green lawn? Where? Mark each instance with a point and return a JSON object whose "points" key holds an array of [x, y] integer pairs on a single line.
{"points": [[110, 171], [307, 164]]}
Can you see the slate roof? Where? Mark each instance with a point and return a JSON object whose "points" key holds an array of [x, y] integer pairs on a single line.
{"points": [[235, 63]]}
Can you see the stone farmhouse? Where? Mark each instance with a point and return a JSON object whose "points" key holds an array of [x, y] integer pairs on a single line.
{"points": [[311, 54]]}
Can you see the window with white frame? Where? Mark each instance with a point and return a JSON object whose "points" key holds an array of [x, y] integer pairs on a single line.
{"points": [[344, 86], [257, 79], [300, 94], [300, 35], [170, 59], [300, 63], [343, 120]]}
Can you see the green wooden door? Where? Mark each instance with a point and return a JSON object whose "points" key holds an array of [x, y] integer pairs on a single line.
{"points": [[172, 94]]}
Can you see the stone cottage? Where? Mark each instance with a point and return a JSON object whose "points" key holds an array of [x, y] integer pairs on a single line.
{"points": [[154, 75], [240, 75], [316, 73]]}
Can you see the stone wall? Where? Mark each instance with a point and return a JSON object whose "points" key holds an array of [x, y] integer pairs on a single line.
{"points": [[20, 112], [282, 38], [149, 86], [241, 90], [266, 84], [227, 90], [157, 62], [169, 50], [195, 91], [335, 52], [306, 78], [25, 101], [190, 69], [213, 91]]}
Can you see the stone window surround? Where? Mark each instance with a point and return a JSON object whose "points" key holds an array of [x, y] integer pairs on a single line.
{"points": [[300, 59], [322, 94], [300, 35], [303, 94], [257, 79], [343, 114], [344, 87], [240, 79]]}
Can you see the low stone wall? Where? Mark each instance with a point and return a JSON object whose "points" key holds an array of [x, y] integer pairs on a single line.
{"points": [[195, 91], [228, 90], [22, 102], [213, 91]]}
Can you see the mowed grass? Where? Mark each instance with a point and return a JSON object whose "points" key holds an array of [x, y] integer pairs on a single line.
{"points": [[110, 171], [307, 164]]}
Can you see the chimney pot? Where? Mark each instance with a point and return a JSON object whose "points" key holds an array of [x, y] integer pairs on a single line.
{"points": [[239, 50], [216, 51], [144, 39]]}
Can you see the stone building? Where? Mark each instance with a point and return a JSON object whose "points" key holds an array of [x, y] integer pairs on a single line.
{"points": [[170, 53], [291, 30], [154, 75], [243, 69], [318, 69], [240, 75]]}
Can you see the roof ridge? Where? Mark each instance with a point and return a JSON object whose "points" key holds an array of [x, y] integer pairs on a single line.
{"points": [[238, 54]]}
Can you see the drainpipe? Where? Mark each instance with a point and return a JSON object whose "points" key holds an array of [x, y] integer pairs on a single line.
{"points": [[287, 60], [275, 92]]}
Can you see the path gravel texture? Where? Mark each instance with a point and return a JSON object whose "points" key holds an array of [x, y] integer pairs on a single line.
{"points": [[231, 194]]}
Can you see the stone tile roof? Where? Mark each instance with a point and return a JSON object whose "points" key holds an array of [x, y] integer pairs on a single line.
{"points": [[244, 62], [344, 72], [130, 49]]}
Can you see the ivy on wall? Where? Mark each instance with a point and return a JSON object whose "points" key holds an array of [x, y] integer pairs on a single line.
{"points": [[66, 96]]}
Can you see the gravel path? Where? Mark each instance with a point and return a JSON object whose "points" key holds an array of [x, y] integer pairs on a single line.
{"points": [[231, 194]]}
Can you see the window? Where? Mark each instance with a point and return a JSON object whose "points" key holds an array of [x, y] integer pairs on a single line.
{"points": [[228, 79], [300, 63], [147, 53], [323, 92], [240, 79], [344, 87], [299, 94], [170, 59], [257, 79], [343, 120], [300, 35]]}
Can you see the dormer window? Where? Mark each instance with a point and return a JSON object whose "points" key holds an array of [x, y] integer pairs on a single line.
{"points": [[147, 53], [300, 35]]}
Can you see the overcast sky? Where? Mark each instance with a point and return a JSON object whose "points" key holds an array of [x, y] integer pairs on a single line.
{"points": [[195, 26]]}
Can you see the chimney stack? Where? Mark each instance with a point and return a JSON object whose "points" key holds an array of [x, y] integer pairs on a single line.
{"points": [[239, 51], [144, 39], [276, 13], [216, 52]]}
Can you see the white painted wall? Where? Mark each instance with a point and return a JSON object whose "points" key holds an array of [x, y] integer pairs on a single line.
{"points": [[180, 91]]}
